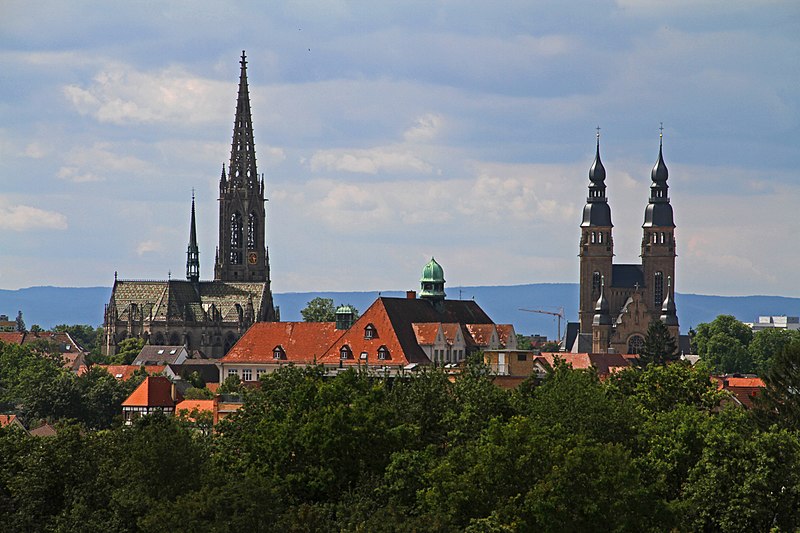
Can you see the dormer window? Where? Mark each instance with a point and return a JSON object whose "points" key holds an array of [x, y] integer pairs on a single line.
{"points": [[278, 353], [383, 353], [345, 352], [370, 332]]}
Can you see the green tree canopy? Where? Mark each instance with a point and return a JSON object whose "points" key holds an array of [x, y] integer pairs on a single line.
{"points": [[767, 344], [659, 345], [322, 310], [722, 345]]}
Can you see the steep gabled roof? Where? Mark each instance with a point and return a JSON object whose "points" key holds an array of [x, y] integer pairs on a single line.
{"points": [[426, 333], [504, 333], [160, 355], [12, 337], [302, 342], [481, 333], [154, 391]]}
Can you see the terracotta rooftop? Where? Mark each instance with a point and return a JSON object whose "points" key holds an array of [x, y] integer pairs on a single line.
{"points": [[200, 405], [605, 363], [301, 342], [154, 391], [125, 372], [6, 420], [12, 337]]}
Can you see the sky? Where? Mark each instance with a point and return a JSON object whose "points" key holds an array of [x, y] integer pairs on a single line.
{"points": [[390, 132]]}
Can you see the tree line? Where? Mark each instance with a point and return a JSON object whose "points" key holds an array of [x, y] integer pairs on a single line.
{"points": [[648, 449]]}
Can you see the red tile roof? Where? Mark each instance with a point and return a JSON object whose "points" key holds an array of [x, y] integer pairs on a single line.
{"points": [[45, 430], [154, 391], [200, 405], [426, 333], [481, 333], [504, 333], [302, 342], [11, 337], [7, 419], [743, 389], [605, 363], [125, 372], [450, 331]]}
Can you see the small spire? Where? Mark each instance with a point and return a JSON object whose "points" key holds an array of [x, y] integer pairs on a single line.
{"points": [[192, 251], [661, 134], [602, 316], [668, 313]]}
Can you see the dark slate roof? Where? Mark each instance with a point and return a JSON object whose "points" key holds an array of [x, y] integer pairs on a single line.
{"points": [[627, 276], [596, 214], [206, 368], [178, 298], [573, 328], [159, 355], [404, 312], [658, 214]]}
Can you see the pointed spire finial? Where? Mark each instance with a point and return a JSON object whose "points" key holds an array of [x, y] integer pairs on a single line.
{"points": [[598, 136], [661, 134]]}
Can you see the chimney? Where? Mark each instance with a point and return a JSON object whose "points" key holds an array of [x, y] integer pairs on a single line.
{"points": [[411, 295]]}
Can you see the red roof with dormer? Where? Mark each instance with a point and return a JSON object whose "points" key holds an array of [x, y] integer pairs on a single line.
{"points": [[154, 391], [301, 342]]}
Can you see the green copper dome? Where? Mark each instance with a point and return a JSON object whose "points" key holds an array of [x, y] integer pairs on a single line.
{"points": [[432, 282]]}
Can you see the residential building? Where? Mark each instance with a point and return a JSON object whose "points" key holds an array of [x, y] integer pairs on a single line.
{"points": [[393, 335], [155, 393], [775, 322]]}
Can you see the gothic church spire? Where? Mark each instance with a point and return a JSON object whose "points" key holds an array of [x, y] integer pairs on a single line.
{"points": [[597, 212], [242, 167], [193, 252], [659, 210]]}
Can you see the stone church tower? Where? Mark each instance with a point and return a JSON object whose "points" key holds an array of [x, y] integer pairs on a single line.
{"points": [[618, 301], [207, 317], [241, 253]]}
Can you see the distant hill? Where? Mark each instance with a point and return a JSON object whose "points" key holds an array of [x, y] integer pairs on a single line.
{"points": [[48, 306]]}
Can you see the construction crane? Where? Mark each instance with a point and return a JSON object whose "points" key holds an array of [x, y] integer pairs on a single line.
{"points": [[559, 315]]}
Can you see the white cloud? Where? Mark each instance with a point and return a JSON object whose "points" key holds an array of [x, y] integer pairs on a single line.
{"points": [[35, 150], [120, 94], [426, 128], [26, 218], [371, 161], [149, 246], [98, 162]]}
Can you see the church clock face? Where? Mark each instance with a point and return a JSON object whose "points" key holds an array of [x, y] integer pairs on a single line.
{"points": [[252, 258]]}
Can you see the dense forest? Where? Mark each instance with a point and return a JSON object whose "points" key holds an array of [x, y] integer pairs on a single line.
{"points": [[650, 449]]}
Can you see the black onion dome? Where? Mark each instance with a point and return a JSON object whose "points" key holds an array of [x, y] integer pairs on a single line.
{"points": [[597, 174], [660, 173]]}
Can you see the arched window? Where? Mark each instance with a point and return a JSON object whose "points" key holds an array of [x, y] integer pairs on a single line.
{"points": [[345, 352], [596, 282], [658, 289], [594, 237], [635, 344], [252, 231], [600, 237], [383, 353], [236, 239]]}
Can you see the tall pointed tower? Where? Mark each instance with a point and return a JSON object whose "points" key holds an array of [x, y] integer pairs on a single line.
{"points": [[242, 253], [192, 251], [597, 245], [658, 239]]}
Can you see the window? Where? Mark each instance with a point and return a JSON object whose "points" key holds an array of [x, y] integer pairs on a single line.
{"points": [[658, 290], [596, 282], [260, 372], [247, 374], [345, 352], [232, 372], [522, 357], [635, 344], [278, 353], [252, 231], [236, 239], [370, 332], [383, 353]]}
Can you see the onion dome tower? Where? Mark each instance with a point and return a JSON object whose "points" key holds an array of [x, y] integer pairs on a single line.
{"points": [[597, 244], [658, 235], [432, 283]]}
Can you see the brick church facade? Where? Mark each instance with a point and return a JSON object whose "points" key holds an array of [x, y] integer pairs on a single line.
{"points": [[208, 316], [618, 301]]}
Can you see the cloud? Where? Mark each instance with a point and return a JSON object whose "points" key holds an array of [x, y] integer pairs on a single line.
{"points": [[149, 246], [426, 128], [35, 150], [120, 94], [371, 161], [97, 163], [26, 218]]}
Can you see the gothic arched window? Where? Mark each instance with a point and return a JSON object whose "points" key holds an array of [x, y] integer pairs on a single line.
{"points": [[658, 289], [595, 282], [635, 344], [236, 239], [252, 231]]}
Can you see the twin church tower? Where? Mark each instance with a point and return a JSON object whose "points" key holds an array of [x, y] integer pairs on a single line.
{"points": [[618, 301]]}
